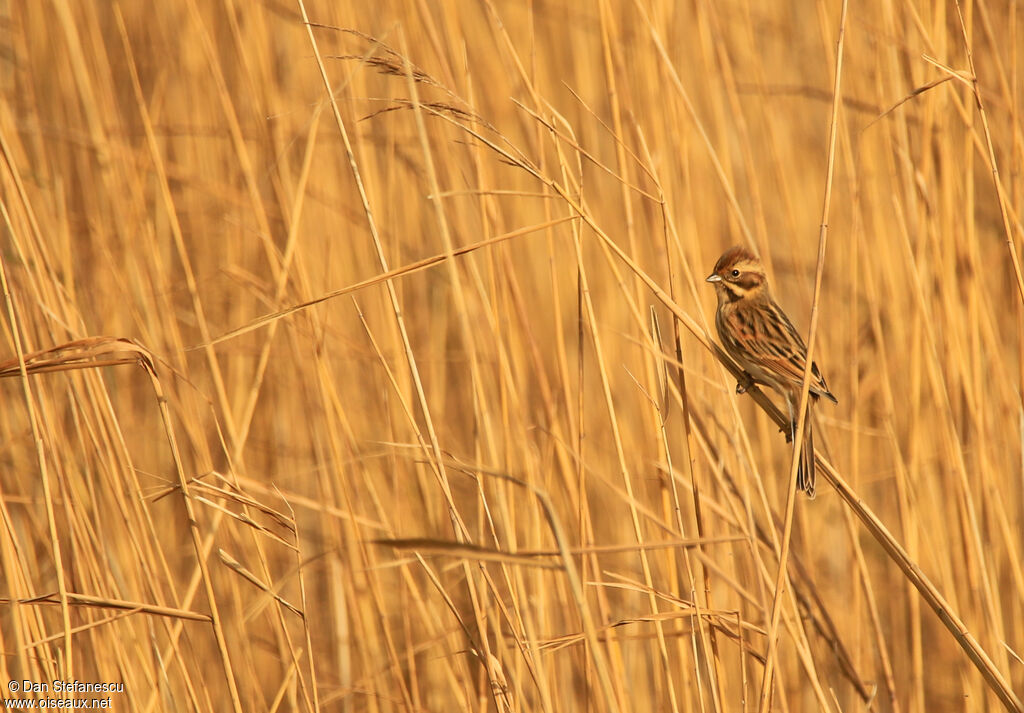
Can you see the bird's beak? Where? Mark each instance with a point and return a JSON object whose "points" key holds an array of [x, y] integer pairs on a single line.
{"points": [[713, 278]]}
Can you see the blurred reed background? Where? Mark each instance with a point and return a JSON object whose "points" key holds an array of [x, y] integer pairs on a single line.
{"points": [[473, 486]]}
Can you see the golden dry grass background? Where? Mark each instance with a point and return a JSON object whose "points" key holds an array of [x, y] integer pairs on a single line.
{"points": [[174, 171]]}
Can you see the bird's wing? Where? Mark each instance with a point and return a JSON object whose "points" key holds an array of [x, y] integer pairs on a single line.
{"points": [[772, 342]]}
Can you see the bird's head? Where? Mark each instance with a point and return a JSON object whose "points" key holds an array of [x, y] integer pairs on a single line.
{"points": [[738, 275]]}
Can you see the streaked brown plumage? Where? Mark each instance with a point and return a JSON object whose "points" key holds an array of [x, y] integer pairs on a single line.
{"points": [[759, 336]]}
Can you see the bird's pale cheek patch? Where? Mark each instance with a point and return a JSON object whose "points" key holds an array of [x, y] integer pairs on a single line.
{"points": [[734, 292]]}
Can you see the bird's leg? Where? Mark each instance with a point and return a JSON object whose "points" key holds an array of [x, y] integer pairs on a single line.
{"points": [[745, 383]]}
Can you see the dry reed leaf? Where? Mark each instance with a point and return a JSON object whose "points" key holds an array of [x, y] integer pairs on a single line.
{"points": [[237, 567], [428, 546], [390, 275], [722, 621], [244, 519], [529, 558], [86, 627], [84, 353], [916, 92], [88, 600]]}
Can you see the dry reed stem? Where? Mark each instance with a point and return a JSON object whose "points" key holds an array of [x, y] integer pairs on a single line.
{"points": [[912, 571], [803, 413]]}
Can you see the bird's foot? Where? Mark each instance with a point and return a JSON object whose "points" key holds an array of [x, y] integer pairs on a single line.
{"points": [[745, 383]]}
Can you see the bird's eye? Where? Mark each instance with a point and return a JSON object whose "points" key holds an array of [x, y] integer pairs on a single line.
{"points": [[735, 273]]}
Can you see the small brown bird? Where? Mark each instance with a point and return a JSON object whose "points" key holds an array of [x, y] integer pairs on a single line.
{"points": [[758, 335]]}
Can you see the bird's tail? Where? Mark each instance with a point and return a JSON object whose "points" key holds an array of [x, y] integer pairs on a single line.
{"points": [[805, 471]]}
